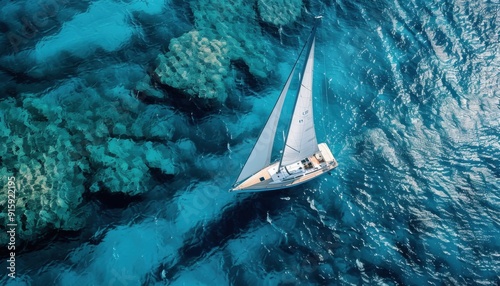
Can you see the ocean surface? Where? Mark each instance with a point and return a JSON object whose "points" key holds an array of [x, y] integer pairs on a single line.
{"points": [[407, 96]]}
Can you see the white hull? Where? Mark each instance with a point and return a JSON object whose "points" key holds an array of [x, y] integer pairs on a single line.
{"points": [[294, 174]]}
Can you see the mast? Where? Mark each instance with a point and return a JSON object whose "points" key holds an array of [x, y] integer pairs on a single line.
{"points": [[301, 140]]}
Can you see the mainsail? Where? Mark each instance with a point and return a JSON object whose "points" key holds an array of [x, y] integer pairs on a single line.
{"points": [[301, 140]]}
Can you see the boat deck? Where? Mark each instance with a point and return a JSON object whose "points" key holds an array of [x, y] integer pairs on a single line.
{"points": [[255, 179], [302, 178], [255, 183]]}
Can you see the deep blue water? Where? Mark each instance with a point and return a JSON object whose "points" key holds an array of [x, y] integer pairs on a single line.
{"points": [[407, 97]]}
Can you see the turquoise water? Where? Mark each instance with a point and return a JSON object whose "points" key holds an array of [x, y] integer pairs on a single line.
{"points": [[407, 97]]}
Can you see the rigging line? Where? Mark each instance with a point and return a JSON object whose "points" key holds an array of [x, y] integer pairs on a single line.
{"points": [[305, 87], [293, 148]]}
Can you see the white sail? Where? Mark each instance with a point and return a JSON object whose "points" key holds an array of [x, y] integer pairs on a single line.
{"points": [[301, 140], [260, 156]]}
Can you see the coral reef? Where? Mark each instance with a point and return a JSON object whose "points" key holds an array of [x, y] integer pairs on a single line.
{"points": [[235, 21], [279, 12], [198, 62], [49, 174], [123, 165], [73, 136], [196, 65]]}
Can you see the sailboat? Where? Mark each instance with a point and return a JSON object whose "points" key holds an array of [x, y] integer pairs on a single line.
{"points": [[302, 159]]}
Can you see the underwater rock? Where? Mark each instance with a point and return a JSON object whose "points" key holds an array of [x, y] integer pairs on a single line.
{"points": [[196, 65], [199, 62], [72, 139], [117, 168], [279, 12], [144, 86], [48, 172], [123, 165], [235, 21]]}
